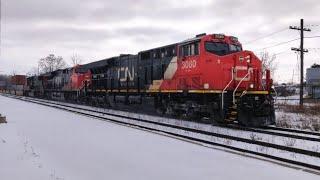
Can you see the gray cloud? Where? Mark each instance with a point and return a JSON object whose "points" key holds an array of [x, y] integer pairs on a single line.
{"points": [[99, 28]]}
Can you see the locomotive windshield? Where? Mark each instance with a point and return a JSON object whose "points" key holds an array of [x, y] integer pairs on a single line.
{"points": [[221, 49], [235, 48]]}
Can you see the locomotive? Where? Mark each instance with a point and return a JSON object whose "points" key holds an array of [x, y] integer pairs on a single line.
{"points": [[208, 78]]}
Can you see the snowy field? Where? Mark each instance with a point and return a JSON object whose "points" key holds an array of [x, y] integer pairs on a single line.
{"points": [[40, 143], [284, 141], [288, 117]]}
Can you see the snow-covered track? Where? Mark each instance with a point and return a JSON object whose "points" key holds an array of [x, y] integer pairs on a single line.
{"points": [[293, 131], [290, 133], [197, 135], [287, 133]]}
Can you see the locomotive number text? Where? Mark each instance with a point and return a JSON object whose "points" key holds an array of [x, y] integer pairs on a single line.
{"points": [[189, 64]]}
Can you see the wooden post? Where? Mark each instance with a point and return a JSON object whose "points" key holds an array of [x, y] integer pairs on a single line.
{"points": [[2, 119]]}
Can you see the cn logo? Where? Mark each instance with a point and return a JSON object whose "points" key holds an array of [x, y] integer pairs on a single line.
{"points": [[189, 64], [124, 73]]}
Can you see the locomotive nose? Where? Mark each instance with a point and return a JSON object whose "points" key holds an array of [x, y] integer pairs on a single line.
{"points": [[244, 58], [247, 70]]}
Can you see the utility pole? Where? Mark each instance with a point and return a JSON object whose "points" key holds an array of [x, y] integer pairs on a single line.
{"points": [[301, 51]]}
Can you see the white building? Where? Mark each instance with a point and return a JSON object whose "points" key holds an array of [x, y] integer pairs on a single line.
{"points": [[313, 81]]}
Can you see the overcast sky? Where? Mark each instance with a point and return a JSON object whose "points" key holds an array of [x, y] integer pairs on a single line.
{"points": [[97, 29]]}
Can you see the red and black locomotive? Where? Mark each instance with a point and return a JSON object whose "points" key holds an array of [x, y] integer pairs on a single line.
{"points": [[209, 77]]}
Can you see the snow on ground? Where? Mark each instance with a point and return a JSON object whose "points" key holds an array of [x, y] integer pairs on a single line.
{"points": [[285, 141], [296, 120], [44, 143]]}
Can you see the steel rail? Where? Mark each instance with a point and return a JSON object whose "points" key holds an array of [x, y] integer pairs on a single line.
{"points": [[293, 130], [262, 131]]}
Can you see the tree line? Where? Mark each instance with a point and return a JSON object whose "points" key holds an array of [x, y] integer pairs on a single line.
{"points": [[52, 63]]}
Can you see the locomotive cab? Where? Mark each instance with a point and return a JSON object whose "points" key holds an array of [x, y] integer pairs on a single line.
{"points": [[217, 65], [244, 97]]}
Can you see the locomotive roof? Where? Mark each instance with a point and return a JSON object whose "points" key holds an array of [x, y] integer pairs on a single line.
{"points": [[104, 62], [190, 40], [166, 46], [101, 63], [85, 67]]}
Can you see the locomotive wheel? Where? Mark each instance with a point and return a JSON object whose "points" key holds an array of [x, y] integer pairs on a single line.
{"points": [[170, 111], [218, 117], [244, 118], [160, 110], [248, 119], [272, 118], [174, 112], [191, 114]]}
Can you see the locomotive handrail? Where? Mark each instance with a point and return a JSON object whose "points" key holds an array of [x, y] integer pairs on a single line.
{"points": [[234, 91], [222, 98], [276, 94]]}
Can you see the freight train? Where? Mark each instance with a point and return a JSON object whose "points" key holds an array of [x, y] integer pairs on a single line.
{"points": [[206, 78]]}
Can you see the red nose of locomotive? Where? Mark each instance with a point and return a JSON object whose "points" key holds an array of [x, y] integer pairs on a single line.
{"points": [[228, 67], [249, 73]]}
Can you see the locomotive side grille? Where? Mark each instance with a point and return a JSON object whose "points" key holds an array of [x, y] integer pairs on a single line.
{"points": [[196, 82], [182, 83]]}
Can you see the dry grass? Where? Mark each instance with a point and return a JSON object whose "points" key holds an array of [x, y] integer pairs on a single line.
{"points": [[315, 124], [308, 110], [308, 116], [255, 137], [289, 142], [301, 121], [283, 121]]}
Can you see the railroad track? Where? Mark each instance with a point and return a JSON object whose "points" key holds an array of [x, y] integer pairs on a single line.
{"points": [[289, 133], [304, 158], [293, 131]]}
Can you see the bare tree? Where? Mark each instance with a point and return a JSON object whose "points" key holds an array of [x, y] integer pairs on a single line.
{"points": [[51, 63], [76, 59], [33, 71], [13, 72], [268, 62], [315, 65]]}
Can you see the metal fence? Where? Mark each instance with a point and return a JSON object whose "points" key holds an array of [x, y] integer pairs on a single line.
{"points": [[313, 91]]}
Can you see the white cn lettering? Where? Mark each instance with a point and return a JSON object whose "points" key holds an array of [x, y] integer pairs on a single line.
{"points": [[127, 74]]}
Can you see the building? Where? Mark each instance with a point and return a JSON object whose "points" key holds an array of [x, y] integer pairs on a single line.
{"points": [[313, 81], [18, 83], [3, 84]]}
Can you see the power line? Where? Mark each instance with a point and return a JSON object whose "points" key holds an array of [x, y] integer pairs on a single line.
{"points": [[283, 52], [268, 35], [316, 50], [279, 44], [311, 37], [313, 49], [312, 25]]}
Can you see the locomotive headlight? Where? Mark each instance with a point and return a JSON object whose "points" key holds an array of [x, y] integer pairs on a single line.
{"points": [[234, 39], [206, 86], [251, 86], [241, 58], [248, 58], [219, 36]]}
